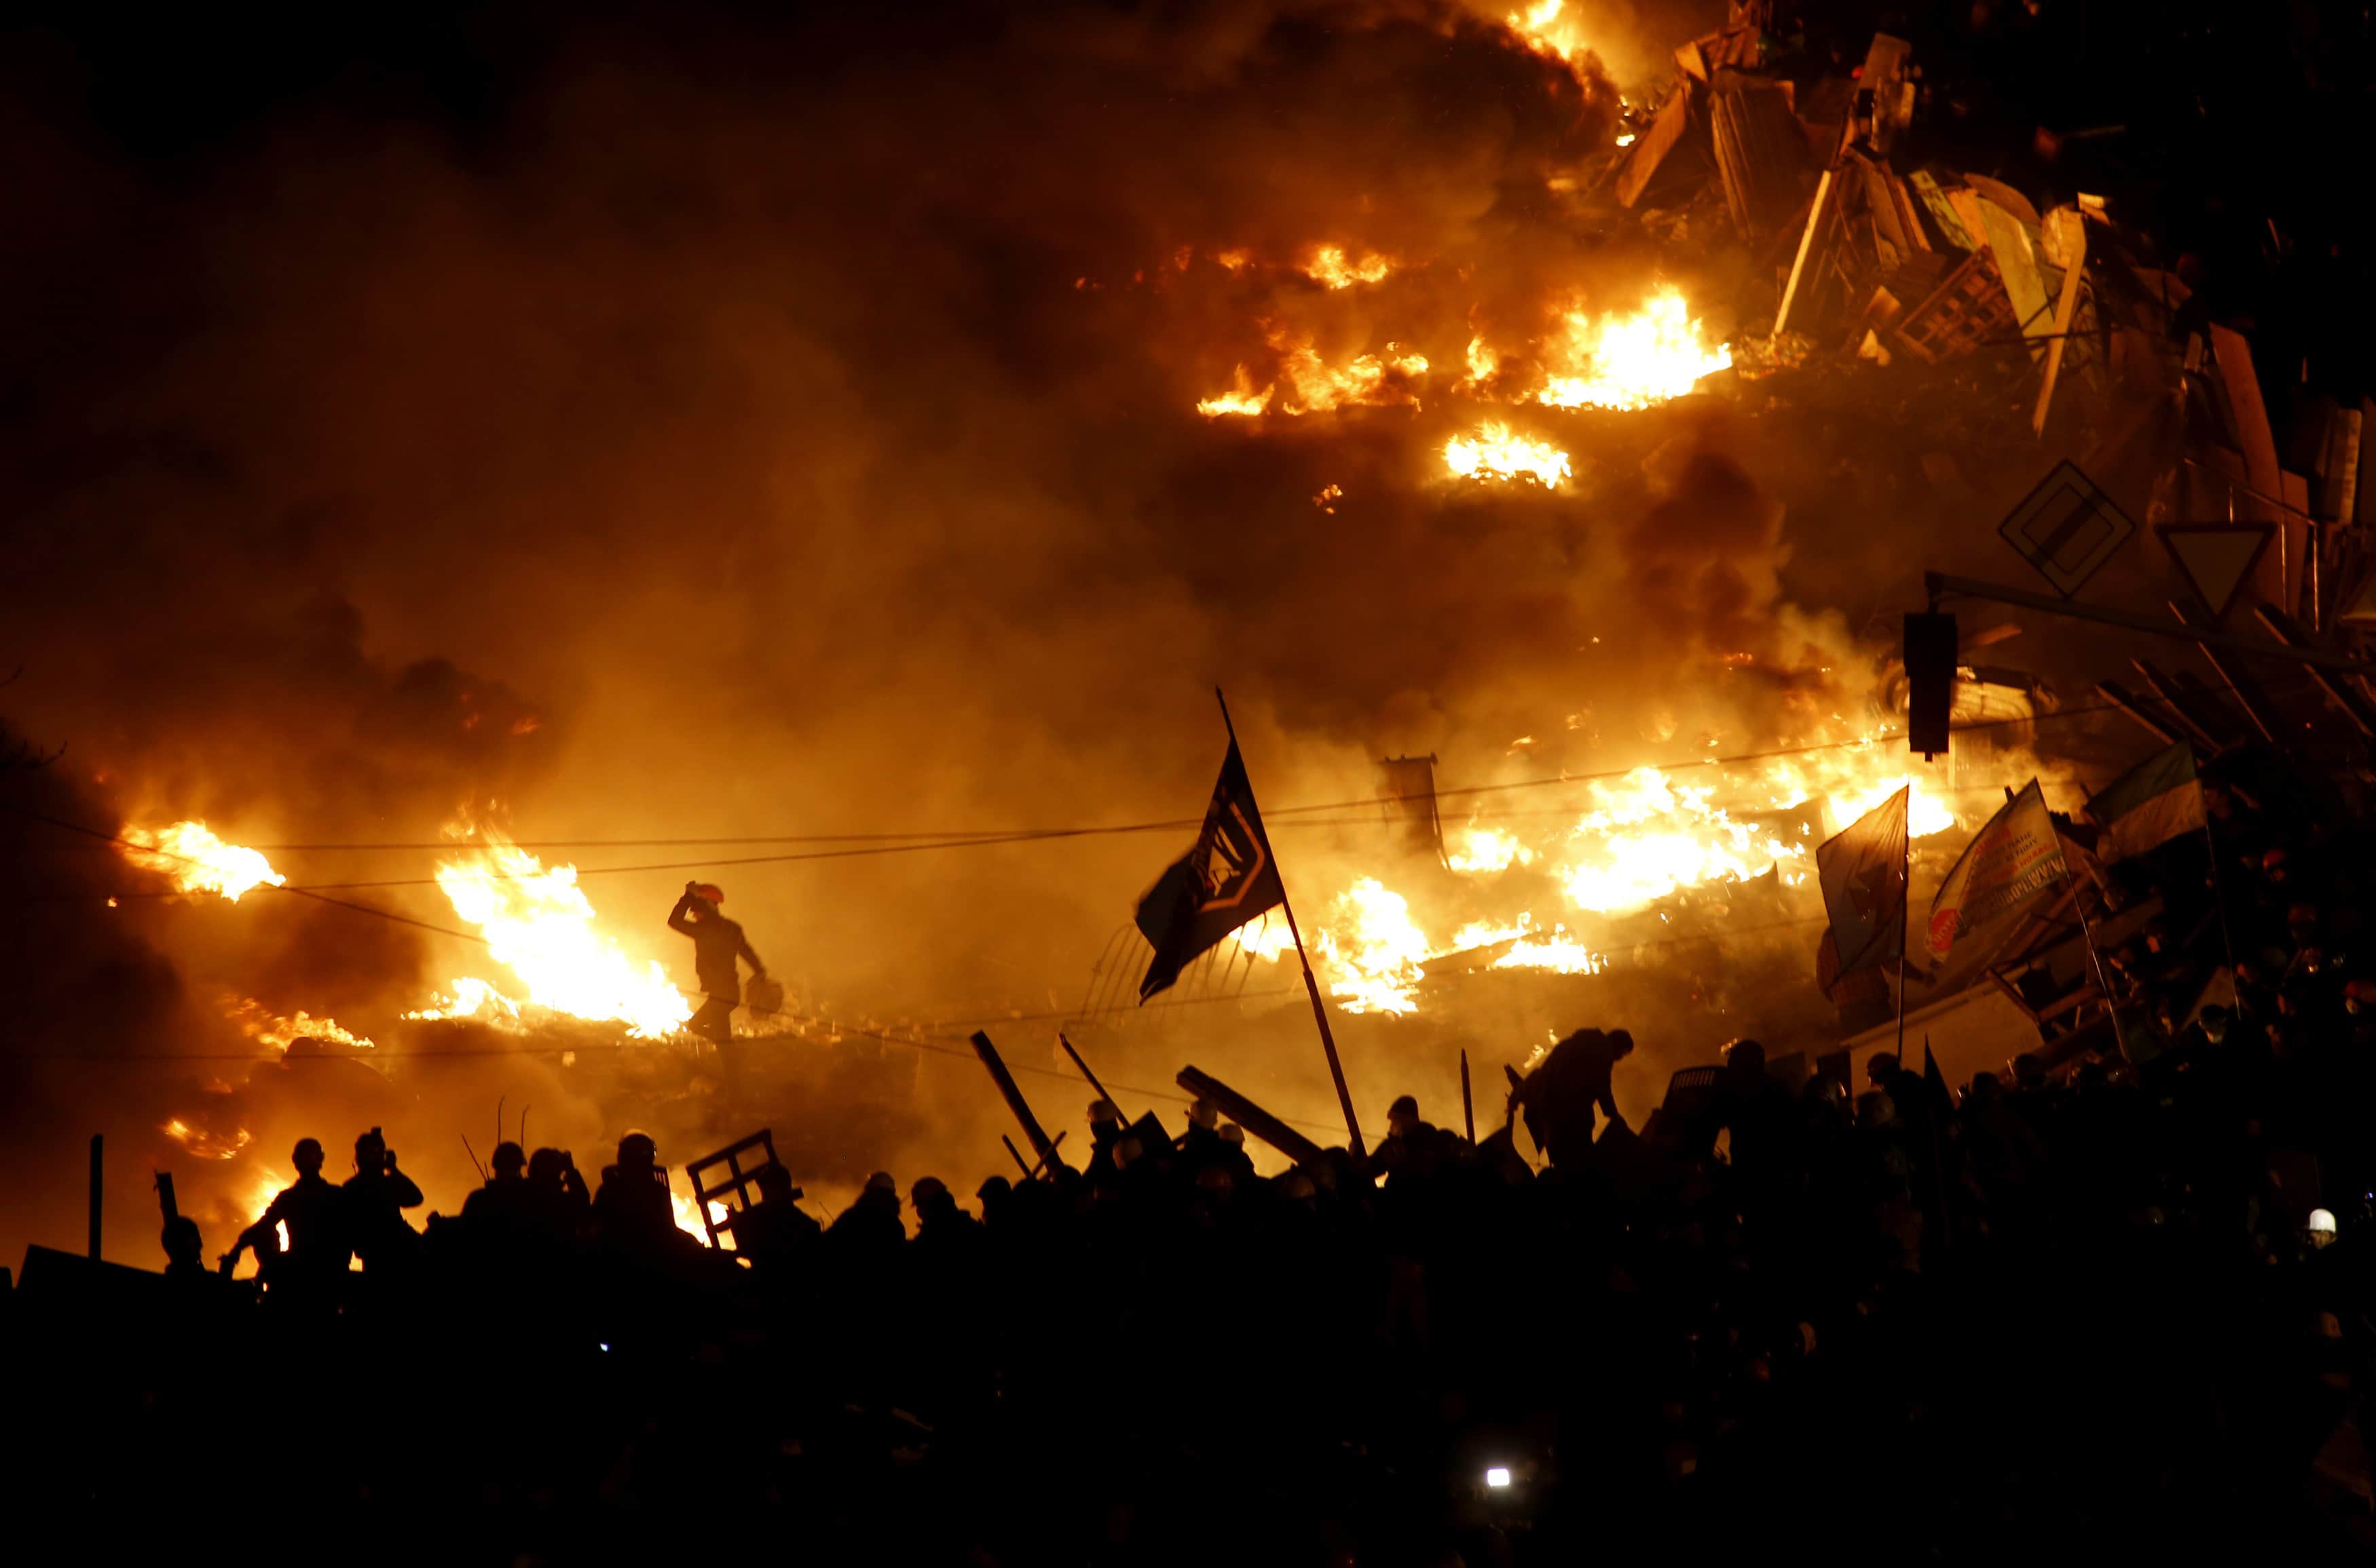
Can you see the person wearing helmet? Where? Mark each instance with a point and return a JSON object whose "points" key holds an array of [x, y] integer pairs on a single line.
{"points": [[717, 943]]}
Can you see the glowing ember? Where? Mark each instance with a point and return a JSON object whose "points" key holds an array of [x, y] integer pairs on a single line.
{"points": [[198, 861], [1489, 850], [1631, 361], [1496, 453], [1329, 268], [540, 924]]}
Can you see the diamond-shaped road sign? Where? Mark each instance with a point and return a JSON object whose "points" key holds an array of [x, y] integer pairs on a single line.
{"points": [[2066, 527], [2217, 558]]}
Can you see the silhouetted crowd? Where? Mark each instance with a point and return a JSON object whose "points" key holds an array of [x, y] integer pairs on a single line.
{"points": [[2119, 1298]]}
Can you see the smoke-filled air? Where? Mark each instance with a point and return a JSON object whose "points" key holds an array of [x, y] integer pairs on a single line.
{"points": [[835, 471]]}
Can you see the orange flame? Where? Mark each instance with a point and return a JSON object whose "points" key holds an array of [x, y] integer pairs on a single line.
{"points": [[1652, 356], [199, 862], [1494, 453], [1329, 267], [540, 924]]}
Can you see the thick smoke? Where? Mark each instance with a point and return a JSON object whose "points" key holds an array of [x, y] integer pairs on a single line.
{"points": [[797, 435]]}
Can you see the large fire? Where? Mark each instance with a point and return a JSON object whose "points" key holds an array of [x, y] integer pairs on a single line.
{"points": [[1637, 839], [1653, 355], [1331, 269], [1495, 452], [199, 862], [540, 924]]}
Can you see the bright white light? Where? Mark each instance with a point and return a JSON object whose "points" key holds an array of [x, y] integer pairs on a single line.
{"points": [[1498, 1475]]}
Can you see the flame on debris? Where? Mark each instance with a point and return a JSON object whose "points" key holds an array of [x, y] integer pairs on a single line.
{"points": [[1313, 386], [688, 1219], [1496, 453], [540, 923], [1488, 849], [1330, 268], [1242, 399], [1646, 835], [265, 1027], [1550, 28], [1629, 361], [199, 862], [1372, 949]]}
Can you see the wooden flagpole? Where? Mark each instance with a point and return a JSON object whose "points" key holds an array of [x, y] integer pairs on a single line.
{"points": [[1310, 986]]}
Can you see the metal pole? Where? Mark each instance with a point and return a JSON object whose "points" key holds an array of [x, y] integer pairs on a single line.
{"points": [[1940, 585], [97, 1188], [1310, 986]]}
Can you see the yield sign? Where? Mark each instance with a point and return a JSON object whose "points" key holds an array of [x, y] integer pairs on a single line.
{"points": [[2066, 527], [2217, 558]]}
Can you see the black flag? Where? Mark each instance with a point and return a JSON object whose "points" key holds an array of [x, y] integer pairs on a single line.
{"points": [[1229, 878]]}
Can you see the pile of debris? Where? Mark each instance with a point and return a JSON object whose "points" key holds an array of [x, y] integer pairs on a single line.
{"points": [[1860, 257]]}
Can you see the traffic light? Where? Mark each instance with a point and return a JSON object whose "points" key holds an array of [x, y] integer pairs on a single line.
{"points": [[1930, 681]]}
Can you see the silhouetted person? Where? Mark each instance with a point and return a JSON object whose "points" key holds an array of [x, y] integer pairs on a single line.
{"points": [[505, 1211], [1560, 1096], [867, 1234], [376, 1198], [185, 1249], [631, 1209], [775, 1231], [564, 1206], [1410, 1142], [716, 944], [1756, 1108], [315, 1213]]}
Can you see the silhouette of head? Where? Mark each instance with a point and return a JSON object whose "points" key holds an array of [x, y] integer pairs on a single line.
{"points": [[1403, 1115], [775, 1181], [931, 1196], [507, 1160], [181, 1242], [1203, 1113], [1746, 1055], [545, 1165], [1104, 1113], [371, 1153], [879, 1188], [307, 1156], [1881, 1068], [638, 1152], [1620, 1043]]}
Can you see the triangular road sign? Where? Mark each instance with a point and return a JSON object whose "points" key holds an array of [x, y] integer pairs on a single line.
{"points": [[2217, 558], [2066, 527]]}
